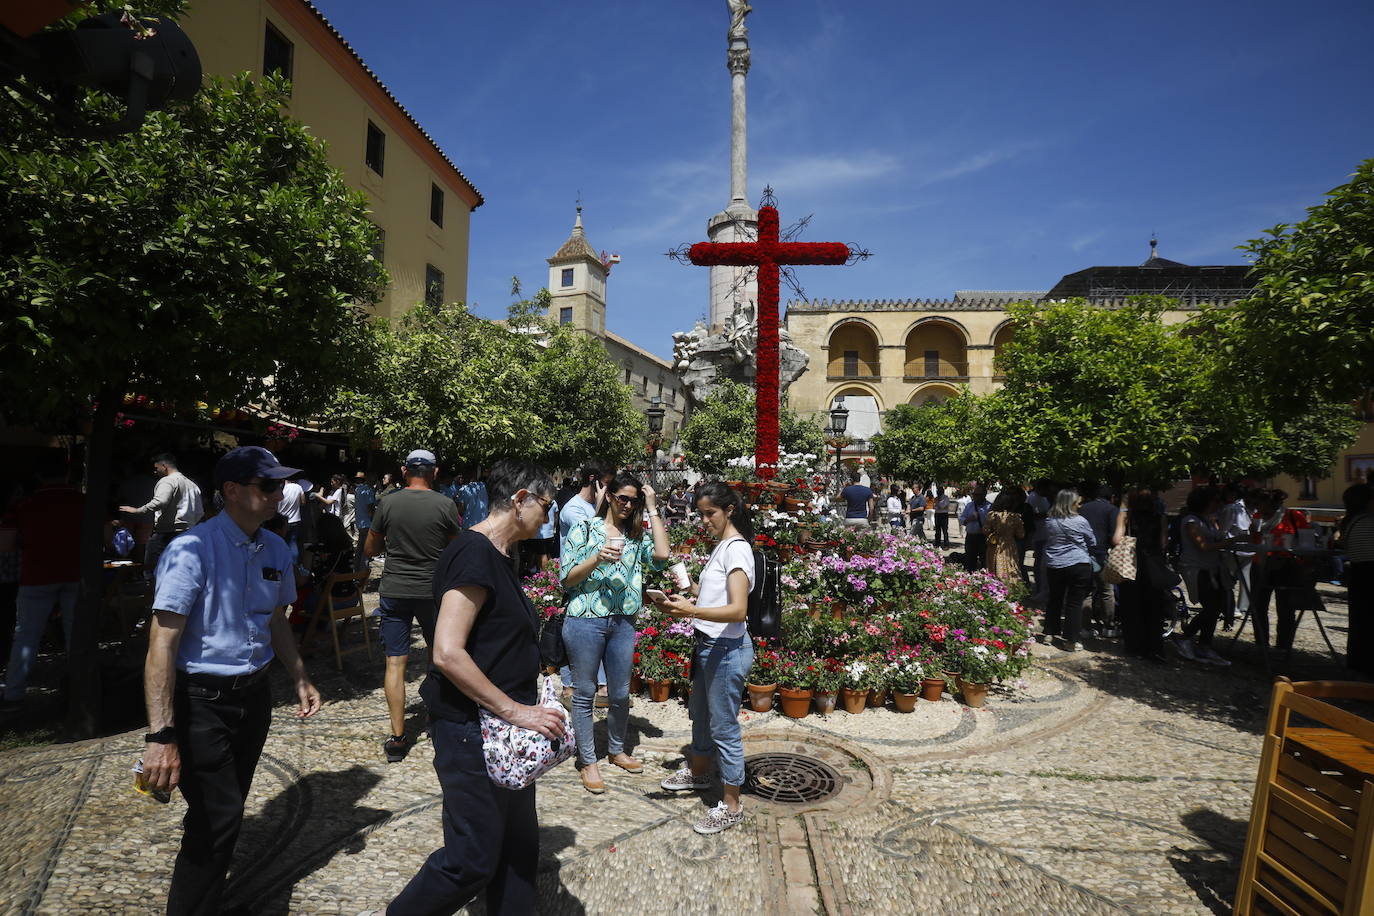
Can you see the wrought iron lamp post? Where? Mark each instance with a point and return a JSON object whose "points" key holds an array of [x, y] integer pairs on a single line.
{"points": [[839, 421], [655, 416]]}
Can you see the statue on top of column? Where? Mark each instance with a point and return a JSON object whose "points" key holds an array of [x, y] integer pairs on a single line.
{"points": [[738, 10]]}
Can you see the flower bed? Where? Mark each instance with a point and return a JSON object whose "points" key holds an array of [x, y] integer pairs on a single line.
{"points": [[872, 611]]}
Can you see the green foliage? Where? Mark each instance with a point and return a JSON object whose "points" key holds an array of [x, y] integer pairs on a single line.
{"points": [[944, 441], [212, 255], [1309, 326], [474, 390], [1117, 394], [722, 427]]}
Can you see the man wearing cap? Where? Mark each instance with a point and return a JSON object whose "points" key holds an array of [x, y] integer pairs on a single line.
{"points": [[219, 619], [412, 526]]}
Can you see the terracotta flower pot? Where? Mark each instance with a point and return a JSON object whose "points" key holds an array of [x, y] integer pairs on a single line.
{"points": [[796, 701], [904, 702], [932, 688], [975, 695], [761, 696], [684, 691], [659, 691], [837, 610], [877, 698], [823, 702], [636, 684], [854, 700]]}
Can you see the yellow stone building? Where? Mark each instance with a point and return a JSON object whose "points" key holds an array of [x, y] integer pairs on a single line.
{"points": [[877, 354], [418, 197]]}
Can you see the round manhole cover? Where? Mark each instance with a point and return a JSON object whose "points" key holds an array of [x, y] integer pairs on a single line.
{"points": [[789, 778]]}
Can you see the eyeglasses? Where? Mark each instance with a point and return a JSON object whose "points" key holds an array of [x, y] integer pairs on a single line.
{"points": [[270, 486], [626, 500], [543, 503]]}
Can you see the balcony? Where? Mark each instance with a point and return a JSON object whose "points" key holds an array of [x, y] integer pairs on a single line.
{"points": [[921, 379], [854, 377]]}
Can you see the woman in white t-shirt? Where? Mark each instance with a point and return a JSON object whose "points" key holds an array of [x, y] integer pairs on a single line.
{"points": [[721, 657], [896, 515]]}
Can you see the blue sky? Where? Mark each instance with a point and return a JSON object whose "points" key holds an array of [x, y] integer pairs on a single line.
{"points": [[989, 145]]}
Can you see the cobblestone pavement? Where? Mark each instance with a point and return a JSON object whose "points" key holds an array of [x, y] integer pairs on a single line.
{"points": [[1104, 786]]}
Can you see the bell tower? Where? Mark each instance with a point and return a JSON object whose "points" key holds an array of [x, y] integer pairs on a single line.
{"points": [[577, 284]]}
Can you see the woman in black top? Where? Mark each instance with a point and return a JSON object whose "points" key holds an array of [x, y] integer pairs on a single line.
{"points": [[1143, 601], [486, 655]]}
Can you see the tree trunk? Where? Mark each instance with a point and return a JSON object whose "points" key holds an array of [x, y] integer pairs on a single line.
{"points": [[83, 654]]}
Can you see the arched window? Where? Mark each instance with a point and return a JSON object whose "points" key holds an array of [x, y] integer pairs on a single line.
{"points": [[936, 349], [853, 352]]}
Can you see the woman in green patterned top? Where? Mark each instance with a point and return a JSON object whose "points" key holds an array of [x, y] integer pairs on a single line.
{"points": [[602, 568]]}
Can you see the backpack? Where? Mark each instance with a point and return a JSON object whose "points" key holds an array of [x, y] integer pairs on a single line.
{"points": [[765, 597]]}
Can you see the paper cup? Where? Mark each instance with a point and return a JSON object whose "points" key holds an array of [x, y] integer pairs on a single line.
{"points": [[679, 573]]}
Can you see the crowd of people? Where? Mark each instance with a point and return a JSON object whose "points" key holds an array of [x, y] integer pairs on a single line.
{"points": [[1229, 552], [225, 570]]}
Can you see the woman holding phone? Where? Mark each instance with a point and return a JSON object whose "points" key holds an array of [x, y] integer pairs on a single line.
{"points": [[602, 568], [721, 657]]}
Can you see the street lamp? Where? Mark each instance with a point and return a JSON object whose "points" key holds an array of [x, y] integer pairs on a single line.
{"points": [[839, 421], [655, 416]]}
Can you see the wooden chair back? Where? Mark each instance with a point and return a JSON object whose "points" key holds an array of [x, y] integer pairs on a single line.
{"points": [[325, 609], [1309, 848]]}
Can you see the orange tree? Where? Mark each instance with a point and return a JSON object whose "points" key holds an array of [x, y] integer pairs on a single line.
{"points": [[212, 255]]}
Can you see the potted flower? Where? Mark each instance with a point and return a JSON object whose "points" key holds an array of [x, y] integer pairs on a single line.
{"points": [[796, 674], [763, 677], [978, 668], [856, 679], [658, 672], [906, 672], [829, 676]]}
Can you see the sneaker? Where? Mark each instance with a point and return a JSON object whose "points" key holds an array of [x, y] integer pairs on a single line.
{"points": [[1074, 647], [719, 818], [684, 781], [1184, 647], [396, 748]]}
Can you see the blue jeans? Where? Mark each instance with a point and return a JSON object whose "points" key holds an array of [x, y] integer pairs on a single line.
{"points": [[33, 607], [719, 669], [593, 642]]}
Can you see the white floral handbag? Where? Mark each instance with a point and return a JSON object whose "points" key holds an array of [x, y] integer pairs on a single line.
{"points": [[517, 756]]}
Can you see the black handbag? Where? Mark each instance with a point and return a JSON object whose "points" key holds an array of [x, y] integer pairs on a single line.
{"points": [[553, 652]]}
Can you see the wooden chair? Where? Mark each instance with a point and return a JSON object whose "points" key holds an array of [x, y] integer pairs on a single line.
{"points": [[1309, 849], [325, 609]]}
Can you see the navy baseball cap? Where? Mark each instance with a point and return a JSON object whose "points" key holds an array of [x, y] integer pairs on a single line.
{"points": [[248, 461]]}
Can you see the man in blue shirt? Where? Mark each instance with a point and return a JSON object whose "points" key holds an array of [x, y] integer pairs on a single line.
{"points": [[364, 501], [974, 518], [858, 502], [219, 619], [595, 477], [473, 498]]}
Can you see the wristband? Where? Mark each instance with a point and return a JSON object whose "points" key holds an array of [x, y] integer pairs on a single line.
{"points": [[166, 735]]}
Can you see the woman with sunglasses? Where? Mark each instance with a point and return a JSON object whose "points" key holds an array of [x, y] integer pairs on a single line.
{"points": [[602, 568]]}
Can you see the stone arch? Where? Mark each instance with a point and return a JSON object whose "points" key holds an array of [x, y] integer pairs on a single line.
{"points": [[936, 348], [935, 393], [858, 389], [853, 350], [865, 408], [1000, 335]]}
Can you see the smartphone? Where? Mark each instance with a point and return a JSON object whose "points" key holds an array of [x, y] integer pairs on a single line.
{"points": [[655, 595]]}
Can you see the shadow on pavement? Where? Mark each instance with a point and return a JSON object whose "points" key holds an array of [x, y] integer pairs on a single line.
{"points": [[297, 833], [1212, 873]]}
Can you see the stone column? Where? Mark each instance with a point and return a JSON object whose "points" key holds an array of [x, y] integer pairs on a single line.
{"points": [[738, 60]]}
